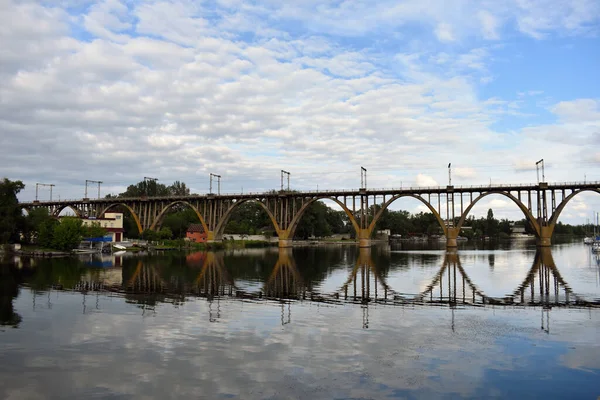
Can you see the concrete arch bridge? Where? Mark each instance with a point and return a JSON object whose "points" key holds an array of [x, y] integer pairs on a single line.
{"points": [[540, 203]]}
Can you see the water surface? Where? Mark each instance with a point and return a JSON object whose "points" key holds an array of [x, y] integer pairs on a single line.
{"points": [[317, 323]]}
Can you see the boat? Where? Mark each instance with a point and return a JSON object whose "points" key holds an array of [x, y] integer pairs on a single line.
{"points": [[119, 247], [596, 247], [589, 240]]}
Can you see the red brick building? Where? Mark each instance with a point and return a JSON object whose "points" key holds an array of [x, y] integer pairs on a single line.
{"points": [[195, 233]]}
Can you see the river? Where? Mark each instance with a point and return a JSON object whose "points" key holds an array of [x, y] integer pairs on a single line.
{"points": [[323, 322]]}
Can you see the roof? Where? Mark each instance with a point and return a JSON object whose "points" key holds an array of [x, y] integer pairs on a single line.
{"points": [[195, 228]]}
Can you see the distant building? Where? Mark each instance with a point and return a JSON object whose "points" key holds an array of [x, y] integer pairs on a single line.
{"points": [[195, 233], [112, 222]]}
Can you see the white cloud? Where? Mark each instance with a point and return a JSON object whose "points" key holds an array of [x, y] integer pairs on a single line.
{"points": [[489, 24], [424, 180], [162, 88], [444, 32]]}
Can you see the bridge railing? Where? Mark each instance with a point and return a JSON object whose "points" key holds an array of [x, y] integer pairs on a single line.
{"points": [[407, 189]]}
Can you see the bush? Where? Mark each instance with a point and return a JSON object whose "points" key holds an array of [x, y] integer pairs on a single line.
{"points": [[67, 234]]}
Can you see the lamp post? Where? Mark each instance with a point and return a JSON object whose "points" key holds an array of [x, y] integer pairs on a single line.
{"points": [[449, 174]]}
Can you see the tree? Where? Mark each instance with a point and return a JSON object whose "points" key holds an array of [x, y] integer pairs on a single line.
{"points": [[45, 234], [491, 224], [67, 234], [150, 235], [314, 222], [33, 222], [11, 217], [93, 231], [178, 189], [165, 234]]}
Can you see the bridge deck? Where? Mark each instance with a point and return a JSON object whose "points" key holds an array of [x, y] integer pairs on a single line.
{"points": [[340, 193]]}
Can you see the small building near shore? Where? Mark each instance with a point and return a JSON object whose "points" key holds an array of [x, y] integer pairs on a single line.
{"points": [[112, 222], [195, 233]]}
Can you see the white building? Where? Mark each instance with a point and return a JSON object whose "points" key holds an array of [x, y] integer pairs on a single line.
{"points": [[112, 222]]}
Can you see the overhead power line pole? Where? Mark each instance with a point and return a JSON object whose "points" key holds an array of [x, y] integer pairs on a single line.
{"points": [[363, 178], [51, 185], [537, 168], [288, 180], [218, 183], [86, 187]]}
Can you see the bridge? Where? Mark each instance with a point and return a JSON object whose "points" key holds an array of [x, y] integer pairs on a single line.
{"points": [[541, 203]]}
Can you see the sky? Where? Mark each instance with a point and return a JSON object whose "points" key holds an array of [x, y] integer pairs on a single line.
{"points": [[121, 90]]}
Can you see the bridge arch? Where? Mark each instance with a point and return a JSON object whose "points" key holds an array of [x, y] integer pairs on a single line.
{"points": [[220, 228], [385, 205], [57, 212], [133, 214], [521, 206], [554, 217], [298, 216], [159, 219]]}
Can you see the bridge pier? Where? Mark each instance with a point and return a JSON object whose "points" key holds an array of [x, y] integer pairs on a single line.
{"points": [[451, 236], [545, 238], [285, 243], [364, 238]]}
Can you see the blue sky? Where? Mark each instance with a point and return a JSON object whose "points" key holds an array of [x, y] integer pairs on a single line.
{"points": [[117, 90]]}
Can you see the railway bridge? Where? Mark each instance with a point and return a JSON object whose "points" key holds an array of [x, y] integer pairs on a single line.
{"points": [[541, 203]]}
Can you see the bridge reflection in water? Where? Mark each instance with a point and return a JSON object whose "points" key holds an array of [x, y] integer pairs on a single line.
{"points": [[147, 281], [543, 285]]}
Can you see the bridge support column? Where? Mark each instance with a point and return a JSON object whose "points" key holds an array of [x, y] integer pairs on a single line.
{"points": [[285, 239], [210, 237], [285, 243], [364, 238], [545, 238], [451, 236]]}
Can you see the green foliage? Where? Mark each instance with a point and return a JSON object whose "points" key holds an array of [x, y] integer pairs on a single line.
{"points": [[314, 222], [179, 221], [93, 231], [153, 188], [165, 234], [11, 217], [45, 233], [150, 235], [67, 234], [488, 226], [249, 218], [33, 222]]}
